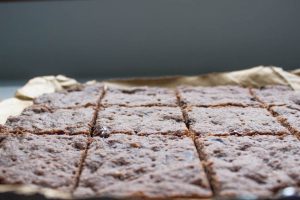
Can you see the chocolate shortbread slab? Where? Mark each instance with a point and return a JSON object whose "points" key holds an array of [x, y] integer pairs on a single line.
{"points": [[49, 161], [140, 121], [251, 165], [130, 166], [140, 96], [278, 95], [86, 95], [214, 96], [40, 120], [233, 120], [289, 117]]}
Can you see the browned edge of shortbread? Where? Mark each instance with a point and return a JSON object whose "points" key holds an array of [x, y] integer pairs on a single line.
{"points": [[251, 133], [263, 104], [88, 143], [83, 156], [88, 105], [253, 94], [148, 105], [56, 132], [226, 105], [211, 174], [182, 107], [282, 120], [178, 133], [192, 135]]}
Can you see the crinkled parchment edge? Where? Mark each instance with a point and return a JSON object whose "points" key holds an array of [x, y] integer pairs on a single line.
{"points": [[253, 77], [31, 190], [32, 89]]}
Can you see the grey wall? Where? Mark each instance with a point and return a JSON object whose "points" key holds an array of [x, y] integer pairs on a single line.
{"points": [[113, 38]]}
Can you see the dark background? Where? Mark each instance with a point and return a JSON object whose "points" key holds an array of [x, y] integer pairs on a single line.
{"points": [[120, 38]]}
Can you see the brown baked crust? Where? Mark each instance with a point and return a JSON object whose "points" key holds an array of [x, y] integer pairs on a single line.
{"points": [[154, 167], [216, 96], [251, 165], [233, 121], [40, 120], [47, 161], [140, 96], [140, 121], [86, 95]]}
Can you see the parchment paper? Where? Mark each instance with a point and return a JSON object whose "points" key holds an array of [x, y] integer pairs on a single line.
{"points": [[253, 77]]}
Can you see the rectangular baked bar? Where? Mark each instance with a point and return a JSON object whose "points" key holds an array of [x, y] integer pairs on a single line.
{"points": [[154, 167], [140, 121], [251, 166], [289, 117], [216, 96], [40, 120], [233, 120], [81, 96], [49, 161], [278, 95], [140, 96]]}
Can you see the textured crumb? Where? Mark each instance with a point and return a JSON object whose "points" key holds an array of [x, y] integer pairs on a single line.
{"points": [[47, 161], [131, 166], [214, 96], [140, 147], [289, 117], [87, 95], [251, 165], [278, 95], [39, 120], [140, 121], [140, 96], [233, 120]]}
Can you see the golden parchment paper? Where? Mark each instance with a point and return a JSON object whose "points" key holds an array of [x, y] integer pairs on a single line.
{"points": [[253, 77], [32, 89]]}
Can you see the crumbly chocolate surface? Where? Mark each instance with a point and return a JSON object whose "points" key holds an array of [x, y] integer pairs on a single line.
{"points": [[143, 167], [140, 121], [40, 120], [140, 96], [233, 120], [289, 117], [139, 143], [278, 95], [219, 95], [49, 161], [251, 165], [87, 95]]}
